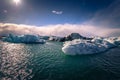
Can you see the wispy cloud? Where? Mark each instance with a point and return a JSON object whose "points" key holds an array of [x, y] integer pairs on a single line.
{"points": [[105, 23], [57, 12], [108, 17], [58, 30]]}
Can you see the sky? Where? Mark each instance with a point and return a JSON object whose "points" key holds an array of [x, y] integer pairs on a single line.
{"points": [[87, 15]]}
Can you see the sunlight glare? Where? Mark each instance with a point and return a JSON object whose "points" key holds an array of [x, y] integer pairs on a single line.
{"points": [[17, 1]]}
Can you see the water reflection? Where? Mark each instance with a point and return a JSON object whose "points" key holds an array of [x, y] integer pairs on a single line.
{"points": [[14, 61], [48, 62]]}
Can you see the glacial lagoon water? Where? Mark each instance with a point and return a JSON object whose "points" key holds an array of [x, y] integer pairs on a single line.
{"points": [[48, 62]]}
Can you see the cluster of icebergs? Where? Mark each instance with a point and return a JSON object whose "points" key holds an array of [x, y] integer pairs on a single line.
{"points": [[96, 45], [24, 39], [74, 44], [69, 37]]}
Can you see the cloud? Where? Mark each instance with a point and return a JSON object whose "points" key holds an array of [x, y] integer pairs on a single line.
{"points": [[57, 12], [108, 17], [57, 30], [105, 22]]}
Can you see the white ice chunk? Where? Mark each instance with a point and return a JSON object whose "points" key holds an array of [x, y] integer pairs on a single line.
{"points": [[24, 39], [96, 45]]}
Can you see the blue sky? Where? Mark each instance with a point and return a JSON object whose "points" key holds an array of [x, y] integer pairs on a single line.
{"points": [[60, 17], [40, 12]]}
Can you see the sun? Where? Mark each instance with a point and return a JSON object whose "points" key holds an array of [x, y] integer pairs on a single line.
{"points": [[17, 1]]}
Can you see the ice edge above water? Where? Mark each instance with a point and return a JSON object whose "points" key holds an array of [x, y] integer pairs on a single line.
{"points": [[96, 45]]}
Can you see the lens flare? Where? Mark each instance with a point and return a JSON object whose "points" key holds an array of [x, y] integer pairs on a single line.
{"points": [[17, 1]]}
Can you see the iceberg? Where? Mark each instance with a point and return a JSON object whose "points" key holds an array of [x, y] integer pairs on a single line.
{"points": [[24, 39], [96, 45], [113, 40], [73, 36], [55, 38], [69, 37]]}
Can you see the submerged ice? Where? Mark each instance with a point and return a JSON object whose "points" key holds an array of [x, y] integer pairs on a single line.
{"points": [[96, 45], [24, 39]]}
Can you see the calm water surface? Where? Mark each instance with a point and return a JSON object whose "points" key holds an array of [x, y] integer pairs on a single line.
{"points": [[48, 62]]}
